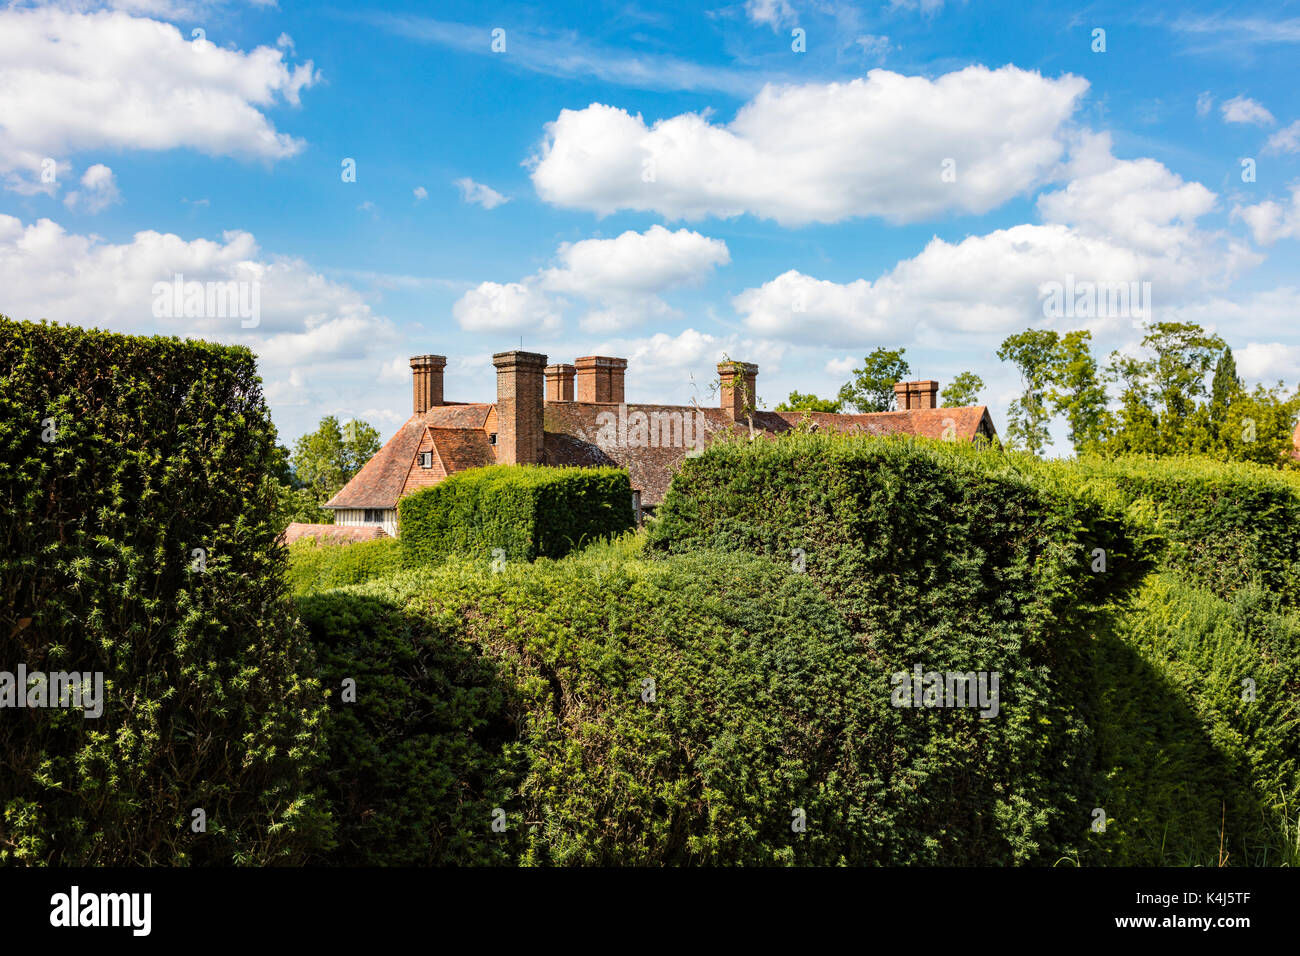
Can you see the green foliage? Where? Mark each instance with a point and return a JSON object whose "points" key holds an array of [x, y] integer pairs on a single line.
{"points": [[1224, 387], [1188, 761], [761, 703], [527, 511], [872, 387], [799, 402], [1077, 390], [1034, 352], [319, 566], [328, 458], [1226, 525], [964, 390], [952, 558], [158, 447]]}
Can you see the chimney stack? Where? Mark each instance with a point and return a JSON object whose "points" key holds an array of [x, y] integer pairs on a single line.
{"points": [[559, 383], [920, 394], [426, 381], [600, 378], [519, 407], [738, 388]]}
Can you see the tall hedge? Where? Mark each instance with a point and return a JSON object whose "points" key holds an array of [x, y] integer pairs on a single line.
{"points": [[317, 566], [1227, 525], [525, 511], [617, 712], [138, 541], [941, 556]]}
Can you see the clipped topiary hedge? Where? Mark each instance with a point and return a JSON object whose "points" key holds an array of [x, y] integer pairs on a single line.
{"points": [[941, 556], [1227, 525], [527, 511], [138, 541], [618, 712], [320, 565]]}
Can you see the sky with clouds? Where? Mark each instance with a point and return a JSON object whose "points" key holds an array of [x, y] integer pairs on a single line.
{"points": [[782, 182]]}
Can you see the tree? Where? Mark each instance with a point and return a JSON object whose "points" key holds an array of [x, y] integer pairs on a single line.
{"points": [[1077, 390], [328, 458], [798, 402], [872, 388], [1184, 355], [963, 390], [1034, 353], [1224, 388]]}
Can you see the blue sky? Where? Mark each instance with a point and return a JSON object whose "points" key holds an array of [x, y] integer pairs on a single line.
{"points": [[666, 182]]}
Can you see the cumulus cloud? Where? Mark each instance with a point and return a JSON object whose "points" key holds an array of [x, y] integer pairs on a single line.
{"points": [[108, 80], [1242, 109], [621, 279], [1270, 221], [506, 307], [821, 152], [48, 272], [98, 190], [420, 192], [772, 13], [478, 194], [1118, 222]]}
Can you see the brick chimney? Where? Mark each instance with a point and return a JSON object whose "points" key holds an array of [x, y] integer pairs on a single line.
{"points": [[426, 381], [600, 378], [559, 383], [738, 388], [920, 394], [519, 407]]}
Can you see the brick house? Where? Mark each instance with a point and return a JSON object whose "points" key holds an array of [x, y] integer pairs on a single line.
{"points": [[575, 415]]}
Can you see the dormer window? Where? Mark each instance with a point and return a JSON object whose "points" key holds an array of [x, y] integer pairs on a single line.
{"points": [[426, 459], [492, 438]]}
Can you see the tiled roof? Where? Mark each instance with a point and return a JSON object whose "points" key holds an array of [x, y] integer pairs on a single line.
{"points": [[965, 422], [379, 482], [336, 533], [461, 448]]}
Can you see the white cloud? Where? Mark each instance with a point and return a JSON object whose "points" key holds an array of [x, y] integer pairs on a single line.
{"points": [[1242, 109], [621, 278], [98, 190], [1204, 103], [1268, 362], [485, 196], [506, 307], [873, 45], [47, 272], [420, 192], [841, 366], [874, 146], [1270, 221], [1285, 140], [1118, 221], [107, 80]]}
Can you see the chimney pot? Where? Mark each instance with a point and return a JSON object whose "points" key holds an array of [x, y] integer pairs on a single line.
{"points": [[600, 378], [426, 382], [737, 392], [559, 383], [520, 413]]}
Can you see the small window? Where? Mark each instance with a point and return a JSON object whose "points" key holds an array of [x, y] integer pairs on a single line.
{"points": [[374, 516], [426, 459], [492, 439]]}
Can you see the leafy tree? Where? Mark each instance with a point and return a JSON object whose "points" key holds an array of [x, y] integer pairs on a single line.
{"points": [[1034, 352], [963, 390], [872, 387], [329, 457], [799, 402], [1184, 355], [1224, 388], [1077, 390]]}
